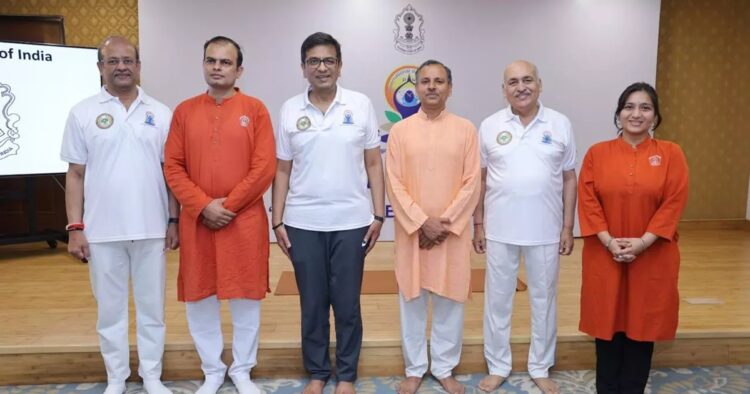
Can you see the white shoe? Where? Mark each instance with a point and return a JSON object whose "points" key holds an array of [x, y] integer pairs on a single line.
{"points": [[115, 388], [210, 386], [155, 386], [245, 386]]}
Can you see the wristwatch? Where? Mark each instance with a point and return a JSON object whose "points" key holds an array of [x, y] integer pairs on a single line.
{"points": [[378, 218]]}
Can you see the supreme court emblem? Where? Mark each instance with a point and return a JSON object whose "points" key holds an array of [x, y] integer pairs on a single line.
{"points": [[104, 121], [303, 123], [244, 121], [654, 160], [504, 137], [409, 33]]}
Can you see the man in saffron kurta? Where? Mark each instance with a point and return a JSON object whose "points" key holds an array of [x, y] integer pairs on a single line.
{"points": [[220, 160], [432, 168]]}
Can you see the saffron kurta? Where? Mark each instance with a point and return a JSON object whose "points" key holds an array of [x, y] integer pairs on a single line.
{"points": [[432, 170], [215, 151], [629, 191]]}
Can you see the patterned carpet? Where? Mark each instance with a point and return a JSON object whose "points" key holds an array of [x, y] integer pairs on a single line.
{"points": [[709, 380]]}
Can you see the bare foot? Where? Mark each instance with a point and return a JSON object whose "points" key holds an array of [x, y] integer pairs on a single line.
{"points": [[315, 386], [409, 385], [451, 385], [345, 388], [491, 383], [547, 385]]}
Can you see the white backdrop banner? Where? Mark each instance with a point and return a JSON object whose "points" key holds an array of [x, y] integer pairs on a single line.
{"points": [[586, 51]]}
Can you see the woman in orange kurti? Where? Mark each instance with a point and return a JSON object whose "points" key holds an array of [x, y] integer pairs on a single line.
{"points": [[632, 191]]}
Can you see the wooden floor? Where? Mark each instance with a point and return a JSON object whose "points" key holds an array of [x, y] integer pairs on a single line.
{"points": [[48, 315]]}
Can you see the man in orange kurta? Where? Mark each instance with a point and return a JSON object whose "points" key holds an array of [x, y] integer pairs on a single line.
{"points": [[220, 160], [432, 168]]}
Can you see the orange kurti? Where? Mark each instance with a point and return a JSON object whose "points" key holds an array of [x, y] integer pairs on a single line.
{"points": [[215, 151], [629, 191], [432, 170]]}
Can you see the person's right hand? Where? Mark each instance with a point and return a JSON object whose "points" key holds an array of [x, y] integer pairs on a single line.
{"points": [[216, 215], [618, 247], [479, 242], [424, 242], [282, 239], [78, 245], [434, 229]]}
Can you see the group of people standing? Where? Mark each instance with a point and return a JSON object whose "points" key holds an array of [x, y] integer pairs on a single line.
{"points": [[142, 180]]}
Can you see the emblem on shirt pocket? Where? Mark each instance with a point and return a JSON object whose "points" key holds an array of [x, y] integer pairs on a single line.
{"points": [[104, 121], [547, 137], [654, 160], [149, 119], [348, 117], [303, 123], [244, 121], [504, 137]]}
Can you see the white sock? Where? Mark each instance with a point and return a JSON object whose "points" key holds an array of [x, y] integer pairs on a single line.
{"points": [[245, 386], [155, 386], [210, 386], [115, 388]]}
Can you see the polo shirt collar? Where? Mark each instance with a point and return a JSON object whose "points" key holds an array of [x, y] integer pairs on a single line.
{"points": [[105, 96], [339, 98], [540, 115]]}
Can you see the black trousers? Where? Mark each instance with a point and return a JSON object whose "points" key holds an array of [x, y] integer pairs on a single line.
{"points": [[622, 365], [328, 267]]}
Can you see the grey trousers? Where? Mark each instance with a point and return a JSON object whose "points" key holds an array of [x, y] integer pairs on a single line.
{"points": [[328, 267]]}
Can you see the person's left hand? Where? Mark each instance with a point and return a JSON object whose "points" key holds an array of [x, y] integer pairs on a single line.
{"points": [[373, 233], [172, 240], [425, 242], [211, 224], [566, 242], [633, 246]]}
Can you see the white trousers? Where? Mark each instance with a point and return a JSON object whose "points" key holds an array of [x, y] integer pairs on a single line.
{"points": [[542, 268], [111, 266], [446, 337], [204, 322]]}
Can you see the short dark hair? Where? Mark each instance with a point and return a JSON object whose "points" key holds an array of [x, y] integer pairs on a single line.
{"points": [[100, 54], [638, 87], [317, 39], [224, 40], [433, 62]]}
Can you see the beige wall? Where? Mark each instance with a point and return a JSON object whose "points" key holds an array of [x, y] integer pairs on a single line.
{"points": [[87, 22], [704, 86], [702, 78]]}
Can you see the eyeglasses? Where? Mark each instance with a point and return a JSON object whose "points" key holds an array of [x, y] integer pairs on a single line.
{"points": [[315, 61], [115, 61]]}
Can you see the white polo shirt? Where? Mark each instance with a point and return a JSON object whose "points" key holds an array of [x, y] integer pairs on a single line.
{"points": [[523, 203], [125, 197], [328, 185]]}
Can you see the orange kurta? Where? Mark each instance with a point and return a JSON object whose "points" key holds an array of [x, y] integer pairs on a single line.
{"points": [[432, 170], [214, 151], [629, 191]]}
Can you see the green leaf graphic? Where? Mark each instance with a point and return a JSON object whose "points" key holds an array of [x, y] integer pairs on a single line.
{"points": [[392, 116]]}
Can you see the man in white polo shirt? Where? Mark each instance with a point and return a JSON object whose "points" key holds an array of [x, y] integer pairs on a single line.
{"points": [[121, 216], [527, 205], [328, 150]]}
